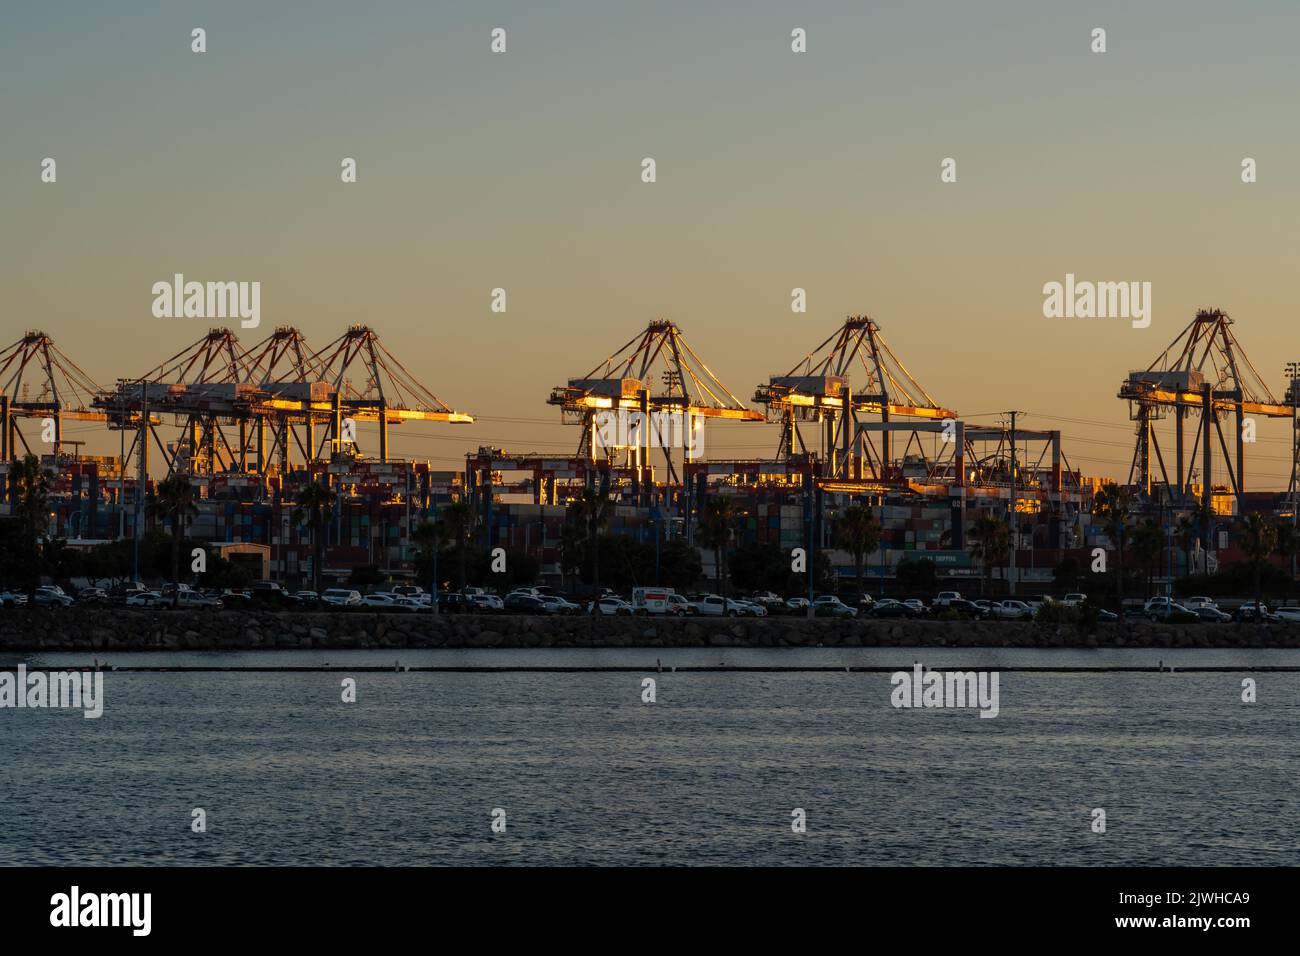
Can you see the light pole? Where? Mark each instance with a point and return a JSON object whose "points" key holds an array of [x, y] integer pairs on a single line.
{"points": [[433, 555], [1015, 529]]}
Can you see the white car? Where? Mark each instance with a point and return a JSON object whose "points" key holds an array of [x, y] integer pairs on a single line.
{"points": [[609, 606], [680, 606], [944, 598], [488, 602], [1011, 611], [1075, 599], [1287, 615], [341, 597], [146, 599], [766, 599], [390, 602], [797, 603], [1156, 602], [558, 605], [711, 605], [192, 599], [1192, 603]]}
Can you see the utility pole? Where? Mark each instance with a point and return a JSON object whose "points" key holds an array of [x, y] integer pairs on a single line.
{"points": [[142, 458], [1293, 396], [1015, 521]]}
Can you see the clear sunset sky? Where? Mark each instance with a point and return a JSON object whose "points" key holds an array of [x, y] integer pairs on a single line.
{"points": [[775, 170]]}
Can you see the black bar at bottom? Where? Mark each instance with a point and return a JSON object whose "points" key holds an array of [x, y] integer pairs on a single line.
{"points": [[338, 905]]}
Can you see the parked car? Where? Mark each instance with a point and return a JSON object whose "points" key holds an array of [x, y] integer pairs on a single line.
{"points": [[944, 598], [647, 601], [888, 607], [1155, 602], [146, 599], [555, 604], [711, 605], [486, 603], [964, 608], [406, 590], [828, 605], [52, 596], [1074, 599], [1106, 616], [1287, 615], [917, 605], [611, 606], [796, 604], [1011, 610], [766, 599], [192, 599], [13, 598], [1212, 614], [1192, 603], [681, 606], [453, 602], [341, 597], [1171, 613], [92, 596], [518, 602], [1248, 612], [306, 598], [234, 597]]}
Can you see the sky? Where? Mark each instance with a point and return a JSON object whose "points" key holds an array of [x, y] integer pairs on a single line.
{"points": [[775, 170]]}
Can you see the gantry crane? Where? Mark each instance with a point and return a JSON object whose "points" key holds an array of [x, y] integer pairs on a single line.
{"points": [[1204, 371], [39, 381], [658, 375], [819, 389], [275, 393]]}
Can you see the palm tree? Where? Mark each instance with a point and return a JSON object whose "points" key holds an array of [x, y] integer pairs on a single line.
{"points": [[427, 536], [990, 542], [590, 514], [1258, 542], [314, 502], [29, 490], [173, 499], [573, 541], [459, 520], [1147, 542], [716, 518], [1288, 544], [1186, 529], [858, 532], [1111, 505]]}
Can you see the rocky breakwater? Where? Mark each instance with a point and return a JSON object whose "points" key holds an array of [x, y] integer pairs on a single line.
{"points": [[122, 629]]}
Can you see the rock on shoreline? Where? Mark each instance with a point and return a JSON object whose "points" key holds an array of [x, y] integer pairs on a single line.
{"points": [[123, 629]]}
